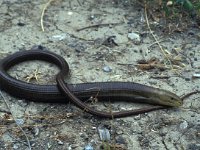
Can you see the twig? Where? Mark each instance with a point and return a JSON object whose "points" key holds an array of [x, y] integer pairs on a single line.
{"points": [[189, 94], [42, 15], [156, 43], [34, 75], [147, 21], [28, 142], [98, 25]]}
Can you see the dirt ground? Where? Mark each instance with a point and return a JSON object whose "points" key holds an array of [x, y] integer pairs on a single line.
{"points": [[107, 52]]}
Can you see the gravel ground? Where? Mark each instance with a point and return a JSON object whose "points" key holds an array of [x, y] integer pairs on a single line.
{"points": [[108, 52]]}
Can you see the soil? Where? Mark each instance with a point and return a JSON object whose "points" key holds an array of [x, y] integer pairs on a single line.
{"points": [[95, 38]]}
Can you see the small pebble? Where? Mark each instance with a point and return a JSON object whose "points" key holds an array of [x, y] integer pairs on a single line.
{"points": [[19, 121], [69, 148], [60, 142], [15, 146], [104, 134], [163, 132], [92, 17], [187, 78], [70, 13], [88, 147], [134, 37], [73, 146], [21, 24], [84, 136], [107, 69], [36, 131], [49, 145], [183, 125], [120, 140], [94, 128], [119, 132], [59, 37], [196, 75], [138, 117]]}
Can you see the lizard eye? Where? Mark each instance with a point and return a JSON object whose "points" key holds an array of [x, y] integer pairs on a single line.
{"points": [[172, 98]]}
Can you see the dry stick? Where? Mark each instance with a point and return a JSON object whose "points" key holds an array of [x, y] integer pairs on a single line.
{"points": [[98, 25], [147, 21], [28, 142], [156, 43], [189, 94], [42, 15]]}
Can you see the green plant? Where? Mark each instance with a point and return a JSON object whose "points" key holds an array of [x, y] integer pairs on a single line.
{"points": [[175, 7]]}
